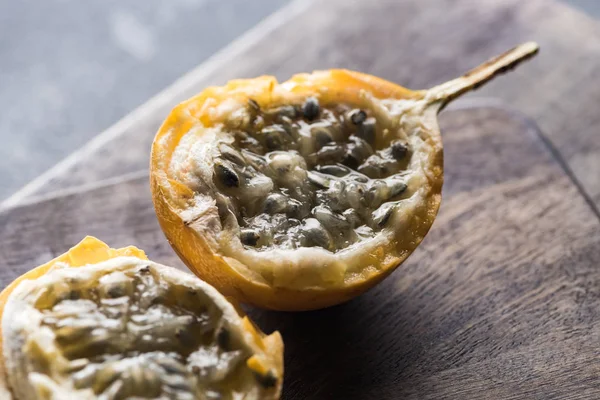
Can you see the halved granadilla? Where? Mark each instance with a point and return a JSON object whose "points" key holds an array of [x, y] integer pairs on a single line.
{"points": [[303, 194], [102, 323]]}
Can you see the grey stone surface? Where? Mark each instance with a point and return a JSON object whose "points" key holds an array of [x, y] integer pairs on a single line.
{"points": [[69, 69], [592, 7]]}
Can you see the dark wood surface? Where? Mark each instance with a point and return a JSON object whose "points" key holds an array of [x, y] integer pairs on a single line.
{"points": [[417, 44], [501, 300]]}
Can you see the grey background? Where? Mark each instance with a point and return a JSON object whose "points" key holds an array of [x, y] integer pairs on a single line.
{"points": [[69, 68]]}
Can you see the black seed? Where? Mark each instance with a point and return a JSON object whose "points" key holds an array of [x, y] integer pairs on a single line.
{"points": [[156, 300], [377, 186], [74, 295], [274, 137], [385, 218], [223, 339], [371, 168], [116, 291], [254, 160], [227, 176], [253, 105], [396, 188], [144, 269], [330, 153], [335, 170], [249, 237], [273, 142], [366, 131], [399, 150], [288, 112], [268, 380], [291, 129], [315, 234], [352, 217], [329, 219], [311, 108], [383, 214], [351, 161], [377, 194], [171, 367], [358, 177], [317, 179], [185, 337], [229, 153], [357, 116], [294, 207], [322, 136], [356, 151], [275, 203], [252, 144], [240, 135]]}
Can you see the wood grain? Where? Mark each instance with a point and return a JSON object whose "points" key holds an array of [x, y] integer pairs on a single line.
{"points": [[418, 46], [501, 301]]}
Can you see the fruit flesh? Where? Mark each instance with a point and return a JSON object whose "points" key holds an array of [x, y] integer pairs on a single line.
{"points": [[306, 175], [89, 250], [129, 327]]}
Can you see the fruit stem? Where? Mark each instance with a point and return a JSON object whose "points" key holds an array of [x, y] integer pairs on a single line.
{"points": [[448, 91]]}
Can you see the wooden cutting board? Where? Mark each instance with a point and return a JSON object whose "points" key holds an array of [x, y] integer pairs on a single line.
{"points": [[501, 301]]}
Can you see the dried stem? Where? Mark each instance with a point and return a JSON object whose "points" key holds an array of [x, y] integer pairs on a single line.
{"points": [[448, 91]]}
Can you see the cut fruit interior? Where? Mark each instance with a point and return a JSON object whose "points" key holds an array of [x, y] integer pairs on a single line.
{"points": [[125, 327], [307, 175], [302, 194]]}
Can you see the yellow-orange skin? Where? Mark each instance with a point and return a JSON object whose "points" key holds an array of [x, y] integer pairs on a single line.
{"points": [[91, 251], [170, 196]]}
